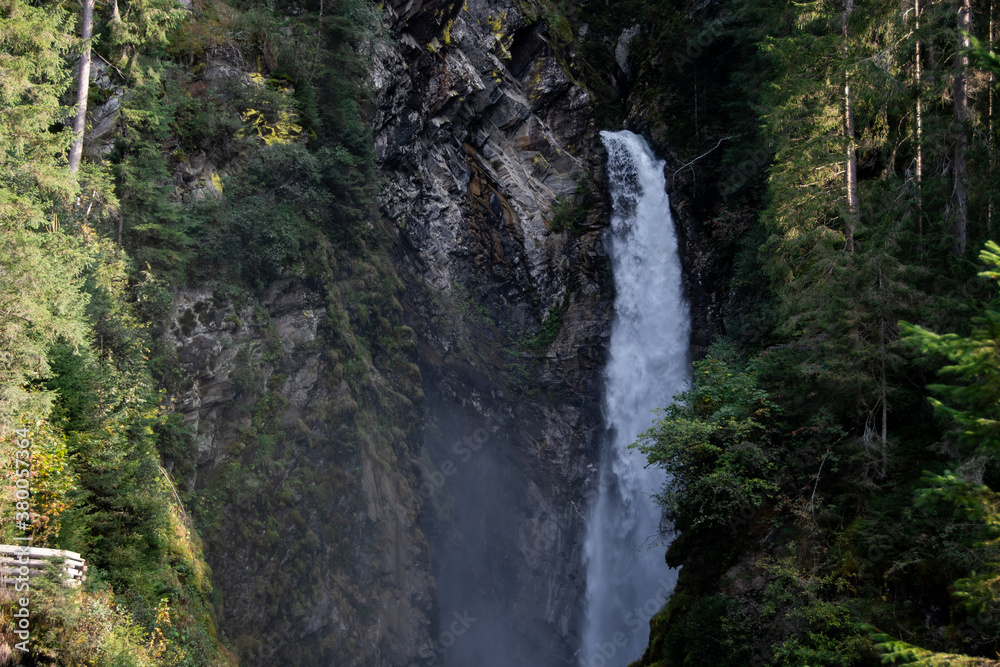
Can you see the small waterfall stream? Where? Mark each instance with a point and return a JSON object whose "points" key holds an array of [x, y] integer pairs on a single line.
{"points": [[627, 580]]}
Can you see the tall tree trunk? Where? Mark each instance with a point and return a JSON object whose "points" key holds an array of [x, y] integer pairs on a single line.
{"points": [[989, 139], [959, 196], [920, 126], [884, 382], [82, 87], [852, 158]]}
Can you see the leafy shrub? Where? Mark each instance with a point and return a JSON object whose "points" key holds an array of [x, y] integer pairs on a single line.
{"points": [[713, 441]]}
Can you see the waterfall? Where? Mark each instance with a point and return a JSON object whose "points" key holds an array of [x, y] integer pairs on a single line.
{"points": [[627, 580]]}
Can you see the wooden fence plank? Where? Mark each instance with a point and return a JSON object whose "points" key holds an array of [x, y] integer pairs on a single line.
{"points": [[73, 566]]}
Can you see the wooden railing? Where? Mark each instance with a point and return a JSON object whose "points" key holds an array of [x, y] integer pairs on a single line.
{"points": [[13, 558]]}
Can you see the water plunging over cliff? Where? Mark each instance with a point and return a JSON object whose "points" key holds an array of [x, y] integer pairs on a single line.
{"points": [[627, 581]]}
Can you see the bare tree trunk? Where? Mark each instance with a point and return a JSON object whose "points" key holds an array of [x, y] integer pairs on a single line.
{"points": [[884, 382], [852, 158], [920, 128], [989, 140], [959, 196], [83, 86]]}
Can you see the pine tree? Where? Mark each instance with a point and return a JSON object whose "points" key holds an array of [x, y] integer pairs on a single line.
{"points": [[804, 116], [153, 225], [40, 267], [975, 361], [840, 309]]}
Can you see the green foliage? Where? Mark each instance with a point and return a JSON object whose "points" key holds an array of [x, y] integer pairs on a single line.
{"points": [[939, 532], [140, 28], [306, 163], [567, 216], [74, 362], [548, 332], [819, 627], [34, 40], [842, 312], [713, 441], [40, 296], [797, 619], [975, 359], [53, 481], [966, 517], [983, 57], [158, 229], [803, 117], [965, 514], [263, 224], [42, 302], [696, 639], [76, 628], [896, 652]]}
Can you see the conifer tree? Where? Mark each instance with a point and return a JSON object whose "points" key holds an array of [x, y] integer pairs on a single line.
{"points": [[841, 308], [40, 267], [975, 361]]}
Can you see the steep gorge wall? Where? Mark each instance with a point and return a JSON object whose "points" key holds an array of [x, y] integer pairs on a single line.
{"points": [[298, 406], [326, 409], [495, 185], [376, 457], [305, 483]]}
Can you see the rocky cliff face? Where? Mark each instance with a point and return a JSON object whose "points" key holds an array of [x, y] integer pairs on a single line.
{"points": [[314, 541], [345, 414], [322, 454], [494, 183]]}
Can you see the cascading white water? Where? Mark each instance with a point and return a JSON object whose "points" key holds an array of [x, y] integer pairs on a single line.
{"points": [[627, 581]]}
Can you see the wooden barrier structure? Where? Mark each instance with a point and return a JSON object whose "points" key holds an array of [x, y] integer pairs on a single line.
{"points": [[12, 561]]}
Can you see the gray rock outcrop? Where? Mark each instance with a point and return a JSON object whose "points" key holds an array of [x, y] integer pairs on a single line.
{"points": [[494, 183]]}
